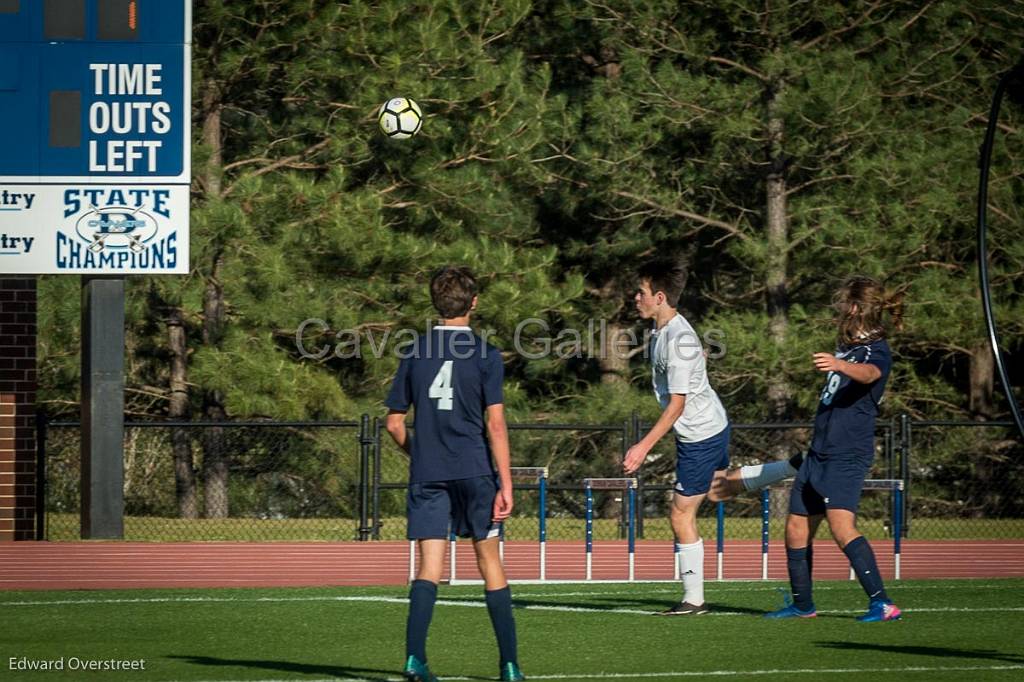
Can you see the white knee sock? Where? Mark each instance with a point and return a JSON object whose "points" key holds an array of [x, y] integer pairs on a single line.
{"points": [[691, 558], [758, 476]]}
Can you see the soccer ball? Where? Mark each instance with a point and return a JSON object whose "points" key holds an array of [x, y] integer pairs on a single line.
{"points": [[400, 118]]}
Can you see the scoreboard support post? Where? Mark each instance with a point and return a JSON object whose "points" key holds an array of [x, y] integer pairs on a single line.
{"points": [[102, 470], [95, 175]]}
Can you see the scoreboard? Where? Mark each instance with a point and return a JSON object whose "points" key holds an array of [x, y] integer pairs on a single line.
{"points": [[95, 99]]}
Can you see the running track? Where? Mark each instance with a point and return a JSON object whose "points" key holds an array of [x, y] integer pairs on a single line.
{"points": [[107, 565]]}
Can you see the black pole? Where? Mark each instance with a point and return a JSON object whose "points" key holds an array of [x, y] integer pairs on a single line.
{"points": [[1015, 77], [376, 478], [364, 478]]}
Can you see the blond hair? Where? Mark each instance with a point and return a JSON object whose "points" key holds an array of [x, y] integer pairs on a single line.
{"points": [[866, 310]]}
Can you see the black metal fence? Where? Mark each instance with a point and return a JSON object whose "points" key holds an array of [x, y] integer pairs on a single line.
{"points": [[345, 480], [234, 480]]}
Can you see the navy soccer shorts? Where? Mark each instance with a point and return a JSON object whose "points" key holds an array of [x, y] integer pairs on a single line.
{"points": [[696, 463], [464, 505], [828, 482]]}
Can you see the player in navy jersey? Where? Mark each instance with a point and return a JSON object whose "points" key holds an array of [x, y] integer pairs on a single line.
{"points": [[453, 380], [829, 482]]}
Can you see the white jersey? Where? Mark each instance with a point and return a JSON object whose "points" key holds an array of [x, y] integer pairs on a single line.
{"points": [[678, 366]]}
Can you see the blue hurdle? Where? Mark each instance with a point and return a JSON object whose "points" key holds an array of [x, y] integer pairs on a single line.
{"points": [[451, 558], [719, 546], [540, 475], [627, 484], [719, 541], [896, 485], [765, 518]]}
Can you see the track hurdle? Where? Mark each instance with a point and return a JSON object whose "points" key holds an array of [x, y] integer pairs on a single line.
{"points": [[719, 546], [627, 484], [538, 475], [765, 517], [531, 474], [719, 541], [451, 558], [452, 544], [895, 485]]}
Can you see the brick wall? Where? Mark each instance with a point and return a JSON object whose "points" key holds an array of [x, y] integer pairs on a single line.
{"points": [[17, 408]]}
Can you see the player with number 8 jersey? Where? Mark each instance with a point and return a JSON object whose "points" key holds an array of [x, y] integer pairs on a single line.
{"points": [[460, 479]]}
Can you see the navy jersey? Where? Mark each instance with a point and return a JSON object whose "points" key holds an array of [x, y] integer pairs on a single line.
{"points": [[450, 375], [845, 422]]}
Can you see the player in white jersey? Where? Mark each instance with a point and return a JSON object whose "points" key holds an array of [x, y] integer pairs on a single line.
{"points": [[693, 411]]}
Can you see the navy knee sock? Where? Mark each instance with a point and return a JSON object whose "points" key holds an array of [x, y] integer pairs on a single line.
{"points": [[797, 561], [499, 606], [422, 595], [810, 559], [864, 566]]}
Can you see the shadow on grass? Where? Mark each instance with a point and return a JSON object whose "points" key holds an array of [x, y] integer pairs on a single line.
{"points": [[611, 604], [339, 671], [937, 651]]}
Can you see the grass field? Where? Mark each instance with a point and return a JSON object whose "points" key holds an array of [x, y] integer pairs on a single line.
{"points": [[65, 527], [952, 630]]}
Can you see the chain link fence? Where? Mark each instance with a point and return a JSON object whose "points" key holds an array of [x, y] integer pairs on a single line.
{"points": [[570, 452], [249, 481], [330, 481], [965, 480]]}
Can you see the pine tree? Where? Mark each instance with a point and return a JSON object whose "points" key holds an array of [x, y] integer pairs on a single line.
{"points": [[776, 148]]}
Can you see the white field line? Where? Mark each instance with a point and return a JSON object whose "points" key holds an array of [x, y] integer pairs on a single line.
{"points": [[692, 673], [478, 603], [713, 588]]}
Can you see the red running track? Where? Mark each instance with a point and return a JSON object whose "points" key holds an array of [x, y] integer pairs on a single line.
{"points": [[109, 565]]}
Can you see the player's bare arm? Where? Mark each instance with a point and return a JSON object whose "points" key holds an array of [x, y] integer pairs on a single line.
{"points": [[395, 424], [635, 455], [497, 436], [861, 373]]}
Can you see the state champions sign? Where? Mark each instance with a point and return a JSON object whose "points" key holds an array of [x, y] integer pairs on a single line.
{"points": [[94, 136]]}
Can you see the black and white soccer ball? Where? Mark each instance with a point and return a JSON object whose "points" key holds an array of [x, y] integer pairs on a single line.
{"points": [[400, 118]]}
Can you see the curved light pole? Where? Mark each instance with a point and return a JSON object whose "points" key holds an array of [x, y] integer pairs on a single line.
{"points": [[1012, 79]]}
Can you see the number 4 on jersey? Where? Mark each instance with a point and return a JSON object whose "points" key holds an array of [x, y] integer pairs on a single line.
{"points": [[441, 388]]}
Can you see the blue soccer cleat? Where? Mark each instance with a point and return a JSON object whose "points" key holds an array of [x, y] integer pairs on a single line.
{"points": [[417, 671], [790, 610], [881, 611], [510, 672]]}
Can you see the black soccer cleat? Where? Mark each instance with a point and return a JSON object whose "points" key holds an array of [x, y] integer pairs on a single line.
{"points": [[796, 460], [683, 608]]}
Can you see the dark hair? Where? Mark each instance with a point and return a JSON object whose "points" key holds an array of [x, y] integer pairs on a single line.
{"points": [[665, 275], [452, 289], [866, 310]]}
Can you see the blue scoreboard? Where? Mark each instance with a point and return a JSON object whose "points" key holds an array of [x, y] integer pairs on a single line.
{"points": [[94, 136]]}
